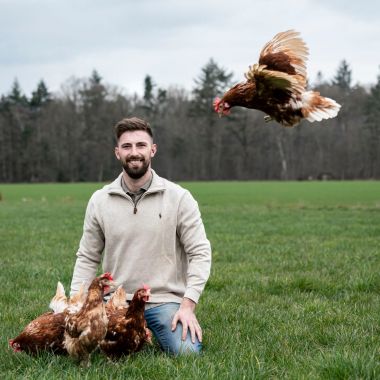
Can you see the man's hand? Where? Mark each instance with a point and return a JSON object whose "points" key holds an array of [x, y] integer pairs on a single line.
{"points": [[186, 316]]}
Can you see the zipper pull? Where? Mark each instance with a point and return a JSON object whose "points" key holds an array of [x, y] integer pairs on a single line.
{"points": [[135, 210]]}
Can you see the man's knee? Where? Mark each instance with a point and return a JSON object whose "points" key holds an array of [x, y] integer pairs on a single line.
{"points": [[159, 320], [183, 347]]}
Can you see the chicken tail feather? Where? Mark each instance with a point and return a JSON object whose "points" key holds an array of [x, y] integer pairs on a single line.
{"points": [[59, 302], [316, 107]]}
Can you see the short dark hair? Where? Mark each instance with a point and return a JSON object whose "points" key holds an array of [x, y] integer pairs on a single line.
{"points": [[132, 124]]}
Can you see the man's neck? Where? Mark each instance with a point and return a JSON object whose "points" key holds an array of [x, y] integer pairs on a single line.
{"points": [[135, 184]]}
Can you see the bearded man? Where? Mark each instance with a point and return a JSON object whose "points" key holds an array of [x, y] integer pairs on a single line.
{"points": [[146, 229]]}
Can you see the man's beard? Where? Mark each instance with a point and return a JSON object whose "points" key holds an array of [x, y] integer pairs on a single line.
{"points": [[138, 172]]}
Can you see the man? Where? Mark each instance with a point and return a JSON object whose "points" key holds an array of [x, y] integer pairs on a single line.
{"points": [[146, 229]]}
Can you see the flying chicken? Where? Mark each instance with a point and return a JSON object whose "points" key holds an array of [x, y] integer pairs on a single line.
{"points": [[277, 85]]}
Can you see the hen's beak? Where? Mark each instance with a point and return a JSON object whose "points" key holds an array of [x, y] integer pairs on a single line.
{"points": [[110, 287], [147, 295]]}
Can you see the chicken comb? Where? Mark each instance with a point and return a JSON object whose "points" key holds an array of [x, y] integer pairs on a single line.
{"points": [[216, 103], [107, 275], [146, 286]]}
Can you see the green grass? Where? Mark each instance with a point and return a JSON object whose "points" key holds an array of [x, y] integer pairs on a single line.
{"points": [[294, 291]]}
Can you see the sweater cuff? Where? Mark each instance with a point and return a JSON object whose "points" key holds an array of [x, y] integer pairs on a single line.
{"points": [[192, 294]]}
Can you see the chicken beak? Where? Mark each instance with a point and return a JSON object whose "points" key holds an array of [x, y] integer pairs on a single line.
{"points": [[147, 295], [112, 285]]}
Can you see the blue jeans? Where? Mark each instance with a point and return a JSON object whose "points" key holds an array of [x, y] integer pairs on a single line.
{"points": [[159, 320]]}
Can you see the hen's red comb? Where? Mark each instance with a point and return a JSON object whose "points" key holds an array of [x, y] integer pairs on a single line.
{"points": [[107, 275], [146, 286]]}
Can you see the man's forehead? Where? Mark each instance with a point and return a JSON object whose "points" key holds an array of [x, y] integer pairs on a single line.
{"points": [[134, 137]]}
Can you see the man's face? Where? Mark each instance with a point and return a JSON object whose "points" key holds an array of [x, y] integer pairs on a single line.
{"points": [[135, 150]]}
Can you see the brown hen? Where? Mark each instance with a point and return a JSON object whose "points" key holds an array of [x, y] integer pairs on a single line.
{"points": [[127, 331], [277, 85], [45, 333], [87, 327]]}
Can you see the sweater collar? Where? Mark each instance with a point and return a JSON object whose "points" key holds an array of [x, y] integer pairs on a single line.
{"points": [[157, 185]]}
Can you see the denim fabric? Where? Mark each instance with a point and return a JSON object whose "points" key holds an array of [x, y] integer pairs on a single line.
{"points": [[159, 320]]}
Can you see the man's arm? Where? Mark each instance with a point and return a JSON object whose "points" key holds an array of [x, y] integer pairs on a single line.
{"points": [[193, 237], [90, 249]]}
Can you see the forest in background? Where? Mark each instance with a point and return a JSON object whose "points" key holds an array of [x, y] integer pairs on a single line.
{"points": [[68, 136]]}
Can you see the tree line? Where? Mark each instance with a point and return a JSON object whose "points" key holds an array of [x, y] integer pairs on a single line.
{"points": [[68, 136]]}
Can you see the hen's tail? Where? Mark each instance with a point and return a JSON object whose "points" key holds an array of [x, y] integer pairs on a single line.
{"points": [[118, 300], [59, 302], [316, 107]]}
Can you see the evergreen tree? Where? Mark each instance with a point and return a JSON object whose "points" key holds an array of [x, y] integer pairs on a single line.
{"points": [[148, 90], [343, 76], [154, 100], [41, 95], [95, 78], [93, 92], [212, 81], [96, 134], [16, 96]]}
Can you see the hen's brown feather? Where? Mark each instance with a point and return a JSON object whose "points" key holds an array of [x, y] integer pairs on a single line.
{"points": [[286, 52]]}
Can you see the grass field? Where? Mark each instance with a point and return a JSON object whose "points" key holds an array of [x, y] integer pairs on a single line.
{"points": [[294, 291]]}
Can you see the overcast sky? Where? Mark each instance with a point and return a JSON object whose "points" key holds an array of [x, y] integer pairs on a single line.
{"points": [[172, 39]]}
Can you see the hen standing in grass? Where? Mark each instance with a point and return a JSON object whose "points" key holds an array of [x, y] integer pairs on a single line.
{"points": [[86, 328], [45, 333], [127, 331], [277, 85]]}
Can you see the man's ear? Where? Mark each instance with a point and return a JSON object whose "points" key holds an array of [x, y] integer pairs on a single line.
{"points": [[154, 150], [117, 153]]}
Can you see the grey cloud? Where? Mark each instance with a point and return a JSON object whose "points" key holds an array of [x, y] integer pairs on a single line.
{"points": [[171, 39], [48, 31]]}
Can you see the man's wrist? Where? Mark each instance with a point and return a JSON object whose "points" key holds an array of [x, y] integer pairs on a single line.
{"points": [[188, 303]]}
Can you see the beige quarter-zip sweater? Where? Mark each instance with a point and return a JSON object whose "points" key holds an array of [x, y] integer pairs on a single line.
{"points": [[160, 241]]}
